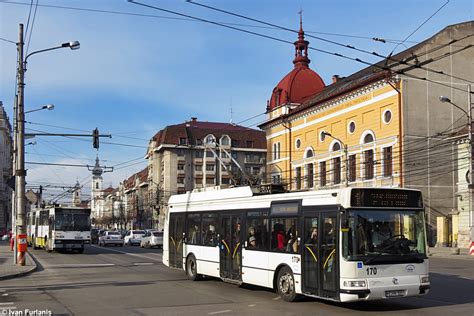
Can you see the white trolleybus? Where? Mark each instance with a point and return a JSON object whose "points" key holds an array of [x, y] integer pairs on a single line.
{"points": [[53, 228], [345, 245]]}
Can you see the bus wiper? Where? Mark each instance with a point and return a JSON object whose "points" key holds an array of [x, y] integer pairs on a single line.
{"points": [[401, 243]]}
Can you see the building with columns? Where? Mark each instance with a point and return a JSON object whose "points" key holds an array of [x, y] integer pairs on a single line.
{"points": [[381, 126]]}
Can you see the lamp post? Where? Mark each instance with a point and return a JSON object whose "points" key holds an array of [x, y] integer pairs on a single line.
{"points": [[346, 180], [49, 107], [20, 172], [468, 114]]}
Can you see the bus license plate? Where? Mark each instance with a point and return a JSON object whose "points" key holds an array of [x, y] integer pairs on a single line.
{"points": [[395, 293]]}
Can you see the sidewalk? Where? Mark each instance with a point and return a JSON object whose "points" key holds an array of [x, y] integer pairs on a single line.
{"points": [[447, 252], [8, 269]]}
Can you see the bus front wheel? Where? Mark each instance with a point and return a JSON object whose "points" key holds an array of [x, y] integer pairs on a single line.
{"points": [[286, 285], [191, 269]]}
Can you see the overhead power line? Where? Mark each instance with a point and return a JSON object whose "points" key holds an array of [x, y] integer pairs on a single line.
{"points": [[126, 13], [424, 22], [404, 62], [375, 65], [7, 40]]}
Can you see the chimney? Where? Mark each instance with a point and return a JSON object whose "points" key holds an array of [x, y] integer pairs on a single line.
{"points": [[336, 78]]}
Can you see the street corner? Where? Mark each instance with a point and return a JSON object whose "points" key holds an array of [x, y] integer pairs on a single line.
{"points": [[9, 270]]}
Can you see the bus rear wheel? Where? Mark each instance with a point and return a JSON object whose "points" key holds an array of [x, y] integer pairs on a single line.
{"points": [[191, 269], [286, 285]]}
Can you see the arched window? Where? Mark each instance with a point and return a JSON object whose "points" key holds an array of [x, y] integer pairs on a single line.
{"points": [[225, 140], [309, 153], [97, 185], [210, 139], [336, 146], [368, 138]]}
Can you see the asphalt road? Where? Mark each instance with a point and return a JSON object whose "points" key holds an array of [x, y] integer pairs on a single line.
{"points": [[132, 281]]}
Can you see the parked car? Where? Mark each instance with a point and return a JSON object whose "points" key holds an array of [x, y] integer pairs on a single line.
{"points": [[95, 235], [134, 237], [110, 238], [152, 238]]}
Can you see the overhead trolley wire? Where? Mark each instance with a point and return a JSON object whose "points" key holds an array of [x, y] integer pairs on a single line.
{"points": [[424, 22], [318, 38]]}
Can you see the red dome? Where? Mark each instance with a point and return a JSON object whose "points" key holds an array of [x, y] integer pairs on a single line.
{"points": [[302, 82]]}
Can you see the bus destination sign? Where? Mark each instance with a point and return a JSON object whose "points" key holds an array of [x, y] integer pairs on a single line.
{"points": [[385, 198], [285, 209]]}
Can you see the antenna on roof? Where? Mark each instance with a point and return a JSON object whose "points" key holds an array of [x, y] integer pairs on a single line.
{"points": [[231, 112]]}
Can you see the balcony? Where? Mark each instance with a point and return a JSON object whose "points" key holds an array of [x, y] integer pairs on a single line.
{"points": [[252, 160]]}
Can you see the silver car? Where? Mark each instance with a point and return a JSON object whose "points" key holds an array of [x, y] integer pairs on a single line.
{"points": [[152, 239], [110, 238]]}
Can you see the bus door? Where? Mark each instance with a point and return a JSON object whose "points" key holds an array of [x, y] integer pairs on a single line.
{"points": [[319, 254], [175, 240], [230, 247], [328, 255], [311, 254]]}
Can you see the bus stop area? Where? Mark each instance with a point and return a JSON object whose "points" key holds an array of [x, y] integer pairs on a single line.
{"points": [[8, 269]]}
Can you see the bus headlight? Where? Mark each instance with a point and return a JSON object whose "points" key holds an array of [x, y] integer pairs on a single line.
{"points": [[425, 279], [354, 283]]}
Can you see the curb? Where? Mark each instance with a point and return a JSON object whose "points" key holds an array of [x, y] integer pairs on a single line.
{"points": [[22, 273]]}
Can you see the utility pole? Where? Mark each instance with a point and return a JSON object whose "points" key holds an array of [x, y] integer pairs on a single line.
{"points": [[20, 172], [15, 128]]}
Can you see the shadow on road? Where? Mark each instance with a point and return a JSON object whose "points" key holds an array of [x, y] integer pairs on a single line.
{"points": [[446, 290]]}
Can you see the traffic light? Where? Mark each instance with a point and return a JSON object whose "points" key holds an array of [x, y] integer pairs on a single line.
{"points": [[95, 138]]}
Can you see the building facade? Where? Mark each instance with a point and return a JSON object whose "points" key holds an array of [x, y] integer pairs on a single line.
{"points": [[196, 154], [381, 126], [6, 170]]}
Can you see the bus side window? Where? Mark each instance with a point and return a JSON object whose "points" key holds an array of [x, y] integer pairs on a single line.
{"points": [[284, 235], [193, 229], [209, 233], [257, 232]]}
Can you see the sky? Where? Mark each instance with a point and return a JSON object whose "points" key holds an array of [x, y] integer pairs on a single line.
{"points": [[140, 69]]}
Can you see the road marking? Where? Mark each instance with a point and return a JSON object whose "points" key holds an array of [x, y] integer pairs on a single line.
{"points": [[220, 312], [9, 303], [277, 298], [160, 256], [252, 305], [143, 263], [79, 265], [5, 294]]}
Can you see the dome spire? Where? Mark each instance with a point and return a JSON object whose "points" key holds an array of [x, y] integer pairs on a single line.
{"points": [[97, 170], [301, 47]]}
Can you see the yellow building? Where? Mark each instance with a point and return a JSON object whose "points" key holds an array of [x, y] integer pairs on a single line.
{"points": [[381, 126]]}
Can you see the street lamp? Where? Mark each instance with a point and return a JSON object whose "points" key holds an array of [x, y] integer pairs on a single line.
{"points": [[48, 107], [346, 181], [20, 172], [470, 186]]}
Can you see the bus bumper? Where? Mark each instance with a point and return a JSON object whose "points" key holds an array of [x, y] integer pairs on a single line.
{"points": [[386, 290], [69, 244]]}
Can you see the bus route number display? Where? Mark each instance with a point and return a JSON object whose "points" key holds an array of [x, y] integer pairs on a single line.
{"points": [[385, 198]]}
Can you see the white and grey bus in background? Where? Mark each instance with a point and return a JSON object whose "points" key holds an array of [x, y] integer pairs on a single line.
{"points": [[56, 227]]}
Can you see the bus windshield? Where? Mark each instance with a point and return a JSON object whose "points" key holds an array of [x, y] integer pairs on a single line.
{"points": [[72, 222], [384, 236]]}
